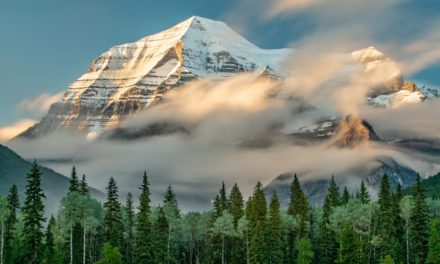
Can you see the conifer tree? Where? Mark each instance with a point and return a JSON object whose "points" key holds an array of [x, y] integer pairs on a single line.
{"points": [[74, 181], [434, 243], [33, 211], [130, 225], [170, 200], [113, 218], [399, 227], [160, 254], [345, 195], [385, 219], [172, 213], [333, 193], [298, 206], [419, 229], [258, 225], [11, 219], [221, 202], [327, 242], [49, 254], [275, 241], [143, 227], [83, 187], [363, 194], [347, 246], [236, 208], [236, 204], [304, 251]]}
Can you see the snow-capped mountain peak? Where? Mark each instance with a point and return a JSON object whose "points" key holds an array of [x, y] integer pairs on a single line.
{"points": [[130, 77]]}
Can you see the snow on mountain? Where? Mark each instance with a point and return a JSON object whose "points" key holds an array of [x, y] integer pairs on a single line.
{"points": [[132, 76]]}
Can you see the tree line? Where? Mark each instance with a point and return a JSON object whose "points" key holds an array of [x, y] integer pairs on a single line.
{"points": [[348, 228]]}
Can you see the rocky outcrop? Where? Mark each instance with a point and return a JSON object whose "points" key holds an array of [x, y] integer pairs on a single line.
{"points": [[354, 131]]}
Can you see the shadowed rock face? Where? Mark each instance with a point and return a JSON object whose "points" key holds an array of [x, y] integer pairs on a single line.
{"points": [[353, 131]]}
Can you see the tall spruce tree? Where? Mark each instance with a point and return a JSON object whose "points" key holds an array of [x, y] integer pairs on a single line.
{"points": [[399, 227], [236, 208], [49, 253], [385, 219], [143, 247], [275, 234], [11, 220], [160, 232], [113, 218], [129, 230], [333, 193], [33, 211], [419, 229], [83, 187], [74, 181], [258, 225], [170, 200], [327, 241], [345, 195], [363, 194], [434, 243], [298, 207]]}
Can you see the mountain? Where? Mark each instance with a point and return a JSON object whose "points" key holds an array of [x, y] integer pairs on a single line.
{"points": [[431, 186], [13, 170], [317, 189], [130, 77]]}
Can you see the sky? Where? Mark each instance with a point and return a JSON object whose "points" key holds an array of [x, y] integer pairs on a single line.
{"points": [[47, 44]]}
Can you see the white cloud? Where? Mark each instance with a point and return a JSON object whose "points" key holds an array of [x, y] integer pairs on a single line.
{"points": [[40, 104], [8, 132]]}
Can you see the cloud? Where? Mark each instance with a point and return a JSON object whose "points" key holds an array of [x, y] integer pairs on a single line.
{"points": [[9, 132], [40, 104], [221, 116]]}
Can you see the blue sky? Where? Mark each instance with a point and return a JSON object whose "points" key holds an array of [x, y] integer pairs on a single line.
{"points": [[48, 44]]}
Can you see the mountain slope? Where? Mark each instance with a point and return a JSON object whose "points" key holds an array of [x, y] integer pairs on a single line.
{"points": [[13, 170], [132, 76]]}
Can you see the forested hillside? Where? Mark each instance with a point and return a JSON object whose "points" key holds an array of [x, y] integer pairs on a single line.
{"points": [[348, 228]]}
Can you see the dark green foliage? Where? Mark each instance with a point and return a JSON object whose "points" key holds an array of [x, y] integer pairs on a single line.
{"points": [[113, 218], [160, 233], [275, 234], [33, 211], [143, 227], [170, 200], [333, 193], [419, 229], [257, 220], [74, 181], [347, 252], [11, 219], [129, 231], [327, 242], [345, 196], [363, 194], [236, 208], [221, 202], [49, 246], [344, 230], [298, 206], [236, 204], [83, 188], [385, 218], [304, 251], [110, 255], [434, 243]]}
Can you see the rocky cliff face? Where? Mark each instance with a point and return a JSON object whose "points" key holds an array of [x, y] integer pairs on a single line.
{"points": [[130, 77]]}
